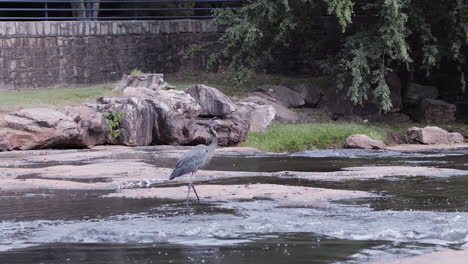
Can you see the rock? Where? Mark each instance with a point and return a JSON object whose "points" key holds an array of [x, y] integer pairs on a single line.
{"points": [[316, 115], [283, 94], [11, 139], [310, 94], [137, 123], [92, 126], [38, 128], [396, 117], [335, 103], [152, 81], [176, 113], [283, 114], [173, 100], [394, 84], [416, 92], [212, 101], [233, 130], [360, 141], [462, 111], [428, 135], [258, 116], [455, 138], [434, 111]]}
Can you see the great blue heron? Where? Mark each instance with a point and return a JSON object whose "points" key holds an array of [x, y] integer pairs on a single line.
{"points": [[196, 158]]}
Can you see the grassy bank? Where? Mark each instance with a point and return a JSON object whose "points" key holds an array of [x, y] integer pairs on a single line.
{"points": [[10, 100], [292, 138]]}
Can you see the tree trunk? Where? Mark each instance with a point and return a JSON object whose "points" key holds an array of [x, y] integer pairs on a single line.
{"points": [[77, 5]]}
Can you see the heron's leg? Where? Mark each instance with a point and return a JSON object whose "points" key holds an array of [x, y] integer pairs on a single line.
{"points": [[189, 186], [193, 187]]}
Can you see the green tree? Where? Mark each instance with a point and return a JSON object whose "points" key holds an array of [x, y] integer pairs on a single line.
{"points": [[409, 34]]}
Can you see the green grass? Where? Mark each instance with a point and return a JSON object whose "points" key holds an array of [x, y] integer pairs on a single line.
{"points": [[292, 138], [56, 96], [136, 72]]}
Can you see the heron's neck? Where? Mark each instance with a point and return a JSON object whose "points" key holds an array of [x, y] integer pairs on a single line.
{"points": [[214, 138]]}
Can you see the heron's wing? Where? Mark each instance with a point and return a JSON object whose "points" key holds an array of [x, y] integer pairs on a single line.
{"points": [[191, 160]]}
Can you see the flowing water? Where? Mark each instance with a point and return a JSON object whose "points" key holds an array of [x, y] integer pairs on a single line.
{"points": [[408, 216]]}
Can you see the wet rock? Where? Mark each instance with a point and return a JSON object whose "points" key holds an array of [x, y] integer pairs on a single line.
{"points": [[434, 111], [455, 138], [310, 94], [283, 114], [137, 123], [38, 128], [360, 141], [285, 195], [258, 116], [212, 101], [92, 126], [416, 92], [284, 96], [428, 135]]}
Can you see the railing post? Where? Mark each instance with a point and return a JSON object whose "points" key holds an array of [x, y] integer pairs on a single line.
{"points": [[46, 6], [135, 11]]}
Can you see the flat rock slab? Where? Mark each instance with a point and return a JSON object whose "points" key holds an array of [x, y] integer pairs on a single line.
{"points": [[452, 257], [286, 195], [418, 147]]}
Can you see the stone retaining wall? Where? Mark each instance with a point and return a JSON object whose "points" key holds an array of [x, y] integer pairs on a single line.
{"points": [[69, 53]]}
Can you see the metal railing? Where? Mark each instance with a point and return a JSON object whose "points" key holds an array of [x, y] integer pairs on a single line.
{"points": [[112, 9]]}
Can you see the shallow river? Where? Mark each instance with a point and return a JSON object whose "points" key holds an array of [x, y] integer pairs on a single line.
{"points": [[409, 216]]}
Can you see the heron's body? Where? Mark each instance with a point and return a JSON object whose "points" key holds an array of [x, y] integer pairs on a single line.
{"points": [[194, 159]]}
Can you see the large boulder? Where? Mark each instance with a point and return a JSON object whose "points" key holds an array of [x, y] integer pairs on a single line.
{"points": [[92, 126], [455, 138], [283, 114], [339, 106], [38, 128], [153, 81], [428, 135], [212, 101], [360, 141], [416, 93], [283, 94], [434, 111], [174, 100], [310, 93], [175, 115], [234, 129], [11, 139], [137, 123], [258, 116]]}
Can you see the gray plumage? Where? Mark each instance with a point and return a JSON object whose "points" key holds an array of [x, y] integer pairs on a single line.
{"points": [[193, 160], [196, 158]]}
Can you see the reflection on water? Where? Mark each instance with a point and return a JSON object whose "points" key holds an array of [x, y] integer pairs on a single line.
{"points": [[413, 215]]}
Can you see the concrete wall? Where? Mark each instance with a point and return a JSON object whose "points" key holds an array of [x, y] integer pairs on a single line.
{"points": [[68, 53]]}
